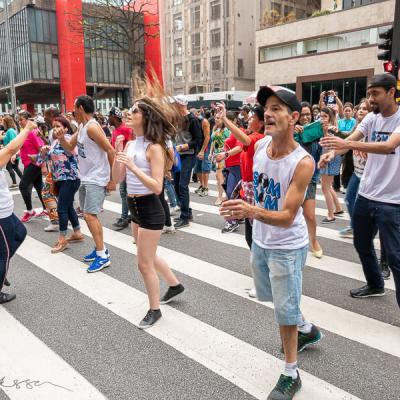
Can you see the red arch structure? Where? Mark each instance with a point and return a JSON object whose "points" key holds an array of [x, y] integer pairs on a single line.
{"points": [[72, 52]]}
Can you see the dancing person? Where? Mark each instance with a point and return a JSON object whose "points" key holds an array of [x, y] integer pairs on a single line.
{"points": [[282, 171], [12, 231], [329, 125], [143, 165], [95, 158], [377, 205]]}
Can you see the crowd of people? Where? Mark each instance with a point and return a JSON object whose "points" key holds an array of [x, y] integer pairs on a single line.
{"points": [[268, 160]]}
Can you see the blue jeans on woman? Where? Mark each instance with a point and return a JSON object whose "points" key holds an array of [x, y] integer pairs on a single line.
{"points": [[233, 178], [351, 195], [65, 206], [169, 188]]}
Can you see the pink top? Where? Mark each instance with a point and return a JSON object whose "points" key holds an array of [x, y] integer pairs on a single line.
{"points": [[31, 146]]}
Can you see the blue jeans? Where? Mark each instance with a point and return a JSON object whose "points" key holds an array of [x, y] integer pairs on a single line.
{"points": [[351, 195], [368, 217], [169, 188], [233, 179], [278, 278], [182, 180], [65, 205], [12, 234], [124, 201]]}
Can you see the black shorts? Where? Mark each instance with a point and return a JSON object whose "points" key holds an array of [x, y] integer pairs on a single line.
{"points": [[147, 211]]}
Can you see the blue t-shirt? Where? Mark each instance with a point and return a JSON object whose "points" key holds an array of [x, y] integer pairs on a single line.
{"points": [[11, 134], [347, 125]]}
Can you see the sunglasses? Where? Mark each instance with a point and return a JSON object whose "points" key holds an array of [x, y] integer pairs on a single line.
{"points": [[134, 109]]}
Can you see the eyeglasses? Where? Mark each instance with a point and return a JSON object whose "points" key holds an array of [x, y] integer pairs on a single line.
{"points": [[134, 109]]}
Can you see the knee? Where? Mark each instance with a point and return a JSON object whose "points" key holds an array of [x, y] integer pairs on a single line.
{"points": [[145, 268]]}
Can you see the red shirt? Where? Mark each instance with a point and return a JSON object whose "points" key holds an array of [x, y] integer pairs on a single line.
{"points": [[230, 144], [246, 157], [122, 130]]}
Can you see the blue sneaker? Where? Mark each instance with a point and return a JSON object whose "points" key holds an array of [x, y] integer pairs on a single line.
{"points": [[92, 256], [98, 264]]}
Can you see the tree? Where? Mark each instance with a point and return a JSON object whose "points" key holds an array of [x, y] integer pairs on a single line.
{"points": [[118, 25]]}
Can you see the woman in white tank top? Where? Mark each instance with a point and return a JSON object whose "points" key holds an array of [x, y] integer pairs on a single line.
{"points": [[142, 163]]}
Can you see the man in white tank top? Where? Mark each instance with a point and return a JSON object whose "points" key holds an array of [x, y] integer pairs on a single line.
{"points": [[282, 171], [95, 157]]}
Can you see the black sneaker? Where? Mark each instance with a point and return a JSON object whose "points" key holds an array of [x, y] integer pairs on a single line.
{"points": [[181, 223], [6, 297], [150, 319], [120, 224], [171, 293], [328, 221], [308, 339], [286, 388], [385, 270], [229, 228], [367, 291]]}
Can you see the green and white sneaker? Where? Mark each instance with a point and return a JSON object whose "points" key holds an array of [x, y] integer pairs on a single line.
{"points": [[286, 388], [305, 340]]}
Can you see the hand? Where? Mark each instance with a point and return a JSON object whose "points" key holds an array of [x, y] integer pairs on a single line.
{"points": [[325, 159], [334, 143], [221, 110], [322, 95], [44, 150], [119, 141], [126, 160], [13, 159], [32, 157], [360, 154], [111, 186], [30, 126], [59, 133], [298, 129], [235, 209], [333, 128], [200, 156], [220, 157]]}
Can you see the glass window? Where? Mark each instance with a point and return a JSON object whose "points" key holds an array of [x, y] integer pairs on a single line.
{"points": [[178, 22], [216, 38], [35, 62], [215, 9], [196, 67], [46, 26], [39, 25], [111, 69], [195, 44], [240, 66], [216, 64], [53, 28], [195, 17], [116, 70], [49, 65], [177, 2], [178, 47], [178, 70], [105, 66], [42, 62]]}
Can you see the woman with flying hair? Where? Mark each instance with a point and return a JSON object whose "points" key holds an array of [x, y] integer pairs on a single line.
{"points": [[143, 164]]}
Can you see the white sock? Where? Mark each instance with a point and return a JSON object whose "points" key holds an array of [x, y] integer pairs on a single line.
{"points": [[305, 326], [101, 253], [291, 370]]}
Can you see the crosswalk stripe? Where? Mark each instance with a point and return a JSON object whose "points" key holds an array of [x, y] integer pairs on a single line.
{"points": [[346, 323], [329, 264], [214, 193], [244, 365], [41, 373]]}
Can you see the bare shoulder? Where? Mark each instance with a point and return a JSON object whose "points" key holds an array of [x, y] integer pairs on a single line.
{"points": [[305, 169]]}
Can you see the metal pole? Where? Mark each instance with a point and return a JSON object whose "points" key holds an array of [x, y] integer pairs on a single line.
{"points": [[10, 59], [396, 33]]}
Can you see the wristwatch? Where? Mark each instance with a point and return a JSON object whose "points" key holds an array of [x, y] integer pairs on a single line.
{"points": [[226, 154]]}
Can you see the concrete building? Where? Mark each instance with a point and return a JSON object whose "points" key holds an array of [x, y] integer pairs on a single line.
{"points": [[209, 45], [311, 46]]}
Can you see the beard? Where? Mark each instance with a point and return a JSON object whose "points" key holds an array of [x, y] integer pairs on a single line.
{"points": [[375, 108]]}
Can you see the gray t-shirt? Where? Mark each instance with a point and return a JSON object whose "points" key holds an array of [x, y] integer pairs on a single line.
{"points": [[381, 179], [6, 199]]}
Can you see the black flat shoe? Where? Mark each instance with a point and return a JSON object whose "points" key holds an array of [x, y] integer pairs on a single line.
{"points": [[6, 297], [6, 282]]}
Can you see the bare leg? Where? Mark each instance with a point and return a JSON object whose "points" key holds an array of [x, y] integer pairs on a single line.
{"points": [[205, 179], [326, 183], [164, 270], [309, 215], [336, 203], [95, 229], [289, 341], [220, 180]]}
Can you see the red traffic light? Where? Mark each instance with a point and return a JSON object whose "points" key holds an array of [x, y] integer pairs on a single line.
{"points": [[388, 66]]}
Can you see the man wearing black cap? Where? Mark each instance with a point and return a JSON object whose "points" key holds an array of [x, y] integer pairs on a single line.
{"points": [[378, 203], [282, 170]]}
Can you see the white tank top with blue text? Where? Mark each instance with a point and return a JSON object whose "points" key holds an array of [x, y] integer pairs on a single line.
{"points": [[94, 167], [271, 183], [137, 151]]}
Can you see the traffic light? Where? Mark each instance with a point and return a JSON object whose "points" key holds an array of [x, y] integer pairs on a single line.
{"points": [[386, 45]]}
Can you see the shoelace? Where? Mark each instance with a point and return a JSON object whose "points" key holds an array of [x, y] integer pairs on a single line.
{"points": [[148, 315], [285, 384]]}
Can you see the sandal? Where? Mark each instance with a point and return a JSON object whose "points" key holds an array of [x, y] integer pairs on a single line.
{"points": [[337, 213], [59, 247], [74, 239]]}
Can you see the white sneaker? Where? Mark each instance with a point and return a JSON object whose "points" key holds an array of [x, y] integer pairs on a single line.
{"points": [[174, 210], [51, 228], [169, 229], [252, 293]]}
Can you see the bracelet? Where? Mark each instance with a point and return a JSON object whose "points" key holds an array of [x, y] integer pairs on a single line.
{"points": [[226, 155]]}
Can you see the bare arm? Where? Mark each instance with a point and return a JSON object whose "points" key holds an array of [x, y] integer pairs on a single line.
{"points": [[387, 147], [340, 107], [206, 133], [119, 169], [68, 145], [293, 200]]}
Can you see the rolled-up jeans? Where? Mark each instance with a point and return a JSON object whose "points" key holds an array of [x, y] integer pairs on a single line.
{"points": [[368, 217]]}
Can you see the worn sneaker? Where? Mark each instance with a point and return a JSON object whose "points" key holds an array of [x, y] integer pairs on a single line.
{"points": [[120, 224], [204, 192], [367, 291], [305, 340], [346, 233], [199, 189], [230, 227], [28, 215], [181, 223], [93, 255], [51, 228], [169, 229], [385, 270], [98, 264], [286, 388], [150, 319], [171, 293]]}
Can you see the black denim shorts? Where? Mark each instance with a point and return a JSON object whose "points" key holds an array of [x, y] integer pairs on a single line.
{"points": [[147, 211]]}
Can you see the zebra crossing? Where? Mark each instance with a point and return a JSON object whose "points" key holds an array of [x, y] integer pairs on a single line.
{"points": [[73, 335]]}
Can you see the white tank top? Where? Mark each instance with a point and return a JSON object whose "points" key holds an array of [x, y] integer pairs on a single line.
{"points": [[137, 151], [271, 183], [94, 167], [6, 199]]}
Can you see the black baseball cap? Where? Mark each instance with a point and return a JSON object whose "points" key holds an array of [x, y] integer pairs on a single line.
{"points": [[386, 81], [116, 112], [284, 94]]}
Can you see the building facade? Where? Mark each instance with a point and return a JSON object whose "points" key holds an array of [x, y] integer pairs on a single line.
{"points": [[209, 45], [54, 62], [312, 46]]}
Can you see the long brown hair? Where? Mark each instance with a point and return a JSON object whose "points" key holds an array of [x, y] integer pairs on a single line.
{"points": [[8, 123]]}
